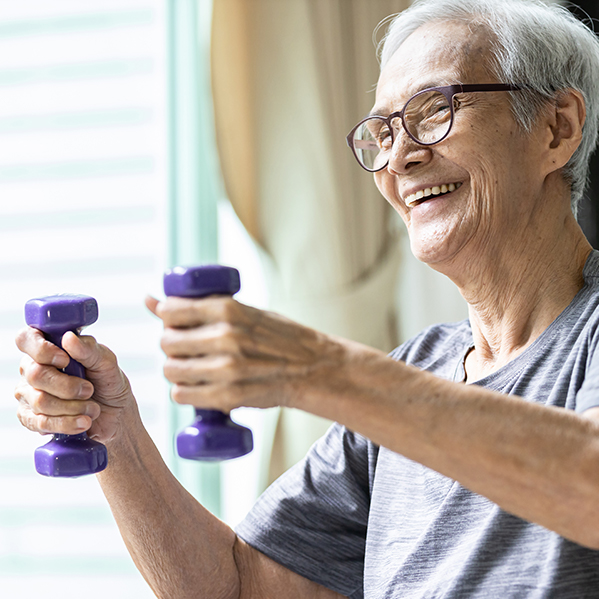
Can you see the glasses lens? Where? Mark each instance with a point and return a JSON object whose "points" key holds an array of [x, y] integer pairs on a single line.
{"points": [[428, 117], [372, 143]]}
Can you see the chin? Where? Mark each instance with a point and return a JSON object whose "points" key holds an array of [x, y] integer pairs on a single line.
{"points": [[434, 252], [441, 240]]}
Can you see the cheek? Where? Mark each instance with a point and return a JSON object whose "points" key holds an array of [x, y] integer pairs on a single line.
{"points": [[492, 153], [486, 161], [484, 205], [484, 179], [496, 173]]}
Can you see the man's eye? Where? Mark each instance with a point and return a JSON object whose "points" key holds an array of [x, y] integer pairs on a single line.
{"points": [[384, 136], [438, 107]]}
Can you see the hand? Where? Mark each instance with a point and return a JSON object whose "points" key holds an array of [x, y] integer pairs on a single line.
{"points": [[222, 354], [53, 402]]}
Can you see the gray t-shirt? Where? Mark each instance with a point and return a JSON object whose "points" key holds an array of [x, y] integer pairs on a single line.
{"points": [[370, 523]]}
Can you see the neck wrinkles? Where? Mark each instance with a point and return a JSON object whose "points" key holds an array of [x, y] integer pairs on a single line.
{"points": [[516, 292]]}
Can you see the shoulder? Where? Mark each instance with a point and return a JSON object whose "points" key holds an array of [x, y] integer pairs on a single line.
{"points": [[582, 315], [591, 268], [435, 345]]}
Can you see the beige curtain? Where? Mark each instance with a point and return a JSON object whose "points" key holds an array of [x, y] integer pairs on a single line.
{"points": [[290, 78]]}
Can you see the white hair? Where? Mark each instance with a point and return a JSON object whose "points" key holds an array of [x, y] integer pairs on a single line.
{"points": [[542, 46]]}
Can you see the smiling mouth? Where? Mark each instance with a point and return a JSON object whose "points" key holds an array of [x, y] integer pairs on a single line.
{"points": [[430, 192]]}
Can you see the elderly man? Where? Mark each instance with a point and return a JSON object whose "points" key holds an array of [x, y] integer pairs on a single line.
{"points": [[466, 464]]}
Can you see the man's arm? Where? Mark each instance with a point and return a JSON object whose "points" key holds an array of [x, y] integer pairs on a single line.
{"points": [[538, 463], [181, 549]]}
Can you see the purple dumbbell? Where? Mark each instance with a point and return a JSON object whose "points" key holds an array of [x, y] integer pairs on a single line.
{"points": [[54, 315], [213, 436]]}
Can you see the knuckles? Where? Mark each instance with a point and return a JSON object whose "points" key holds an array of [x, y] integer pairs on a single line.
{"points": [[35, 373], [228, 309], [222, 368], [44, 424], [203, 340], [222, 397], [179, 394], [26, 336], [26, 420], [24, 364], [229, 338], [232, 338], [185, 312], [21, 337], [37, 402], [170, 369]]}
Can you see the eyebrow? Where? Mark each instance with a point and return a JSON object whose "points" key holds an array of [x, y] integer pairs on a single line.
{"points": [[381, 112]]}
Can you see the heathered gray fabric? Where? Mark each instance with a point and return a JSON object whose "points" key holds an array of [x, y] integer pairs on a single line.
{"points": [[370, 523]]}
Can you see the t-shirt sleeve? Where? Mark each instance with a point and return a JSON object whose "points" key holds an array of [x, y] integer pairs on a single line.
{"points": [[313, 519]]}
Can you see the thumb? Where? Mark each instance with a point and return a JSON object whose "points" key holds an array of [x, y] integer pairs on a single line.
{"points": [[84, 349], [152, 304]]}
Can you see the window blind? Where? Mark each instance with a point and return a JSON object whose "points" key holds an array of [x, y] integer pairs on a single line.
{"points": [[84, 208]]}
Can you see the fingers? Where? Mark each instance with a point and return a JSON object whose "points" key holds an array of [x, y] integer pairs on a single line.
{"points": [[214, 338], [48, 379], [83, 348], [65, 425], [222, 354], [51, 401], [32, 342], [152, 304], [224, 397], [43, 412], [177, 312], [223, 368], [220, 324]]}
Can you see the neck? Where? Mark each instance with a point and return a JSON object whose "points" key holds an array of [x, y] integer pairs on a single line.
{"points": [[516, 289]]}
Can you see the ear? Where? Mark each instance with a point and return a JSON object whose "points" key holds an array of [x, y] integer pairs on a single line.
{"points": [[566, 117]]}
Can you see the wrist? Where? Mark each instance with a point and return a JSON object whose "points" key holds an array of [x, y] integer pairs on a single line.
{"points": [[129, 427]]}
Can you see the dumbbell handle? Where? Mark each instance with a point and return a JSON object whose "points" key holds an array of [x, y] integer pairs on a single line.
{"points": [[213, 436]]}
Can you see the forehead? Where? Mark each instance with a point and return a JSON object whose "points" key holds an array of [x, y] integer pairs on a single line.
{"points": [[439, 53]]}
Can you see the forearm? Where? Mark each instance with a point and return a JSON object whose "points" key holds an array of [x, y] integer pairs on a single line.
{"points": [[539, 463], [181, 549]]}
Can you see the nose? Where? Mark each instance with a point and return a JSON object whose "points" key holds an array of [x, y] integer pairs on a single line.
{"points": [[407, 155]]}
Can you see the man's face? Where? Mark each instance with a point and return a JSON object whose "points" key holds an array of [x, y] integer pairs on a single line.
{"points": [[492, 164]]}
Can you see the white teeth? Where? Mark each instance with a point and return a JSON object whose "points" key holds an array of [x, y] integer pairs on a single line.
{"points": [[431, 191]]}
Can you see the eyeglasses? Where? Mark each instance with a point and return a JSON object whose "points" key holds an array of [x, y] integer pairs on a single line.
{"points": [[427, 118]]}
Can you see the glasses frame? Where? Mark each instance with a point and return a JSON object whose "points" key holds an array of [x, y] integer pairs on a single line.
{"points": [[449, 91]]}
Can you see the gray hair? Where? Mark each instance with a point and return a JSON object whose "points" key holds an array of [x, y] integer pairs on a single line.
{"points": [[542, 46]]}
